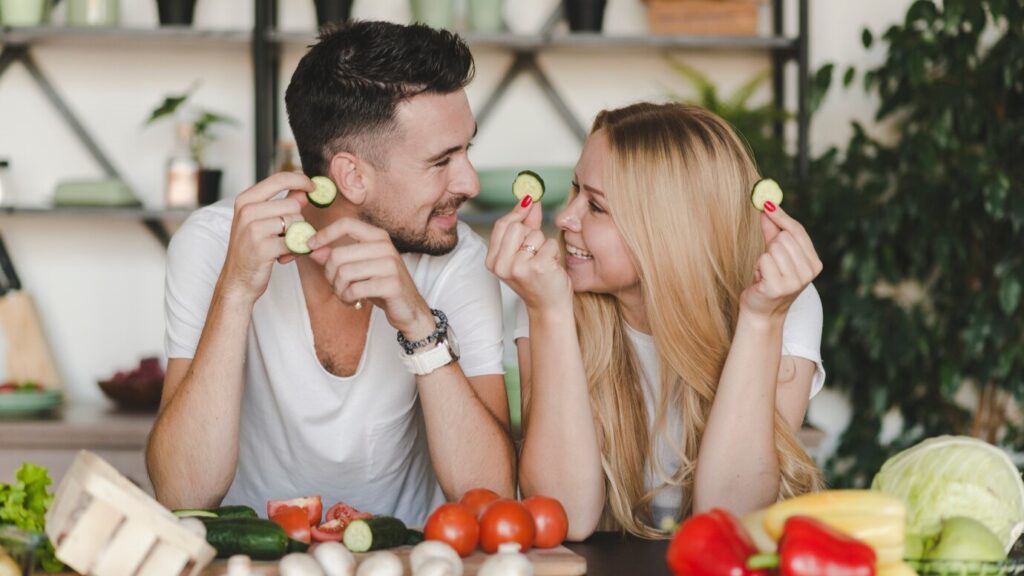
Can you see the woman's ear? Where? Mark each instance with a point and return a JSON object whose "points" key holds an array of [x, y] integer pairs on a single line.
{"points": [[348, 172]]}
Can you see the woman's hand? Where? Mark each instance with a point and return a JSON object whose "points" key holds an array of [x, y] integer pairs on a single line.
{"points": [[529, 263], [787, 266], [257, 232]]}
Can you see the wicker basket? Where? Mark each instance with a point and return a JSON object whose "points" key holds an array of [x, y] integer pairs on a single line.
{"points": [[102, 524]]}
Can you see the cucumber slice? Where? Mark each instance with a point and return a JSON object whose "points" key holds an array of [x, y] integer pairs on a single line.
{"points": [[324, 194], [297, 235], [528, 183], [194, 513], [375, 534], [766, 190]]}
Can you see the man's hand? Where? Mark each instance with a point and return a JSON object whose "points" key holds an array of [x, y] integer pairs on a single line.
{"points": [[256, 232], [371, 269]]}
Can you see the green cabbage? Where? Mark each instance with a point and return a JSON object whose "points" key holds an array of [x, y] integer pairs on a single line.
{"points": [[949, 476]]}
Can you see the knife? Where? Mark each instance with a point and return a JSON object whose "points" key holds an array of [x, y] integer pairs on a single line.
{"points": [[13, 282]]}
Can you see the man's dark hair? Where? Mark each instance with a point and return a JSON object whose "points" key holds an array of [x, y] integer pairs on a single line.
{"points": [[346, 89]]}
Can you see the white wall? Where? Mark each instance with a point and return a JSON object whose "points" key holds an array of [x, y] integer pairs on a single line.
{"points": [[99, 283]]}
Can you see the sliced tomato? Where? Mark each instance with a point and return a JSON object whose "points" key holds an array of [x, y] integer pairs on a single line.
{"points": [[330, 531], [294, 521], [345, 512], [313, 506]]}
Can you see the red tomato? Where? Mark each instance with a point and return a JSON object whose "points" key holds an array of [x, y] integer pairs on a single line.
{"points": [[294, 521], [455, 525], [549, 520], [313, 506], [478, 499], [330, 531], [342, 511], [506, 521]]}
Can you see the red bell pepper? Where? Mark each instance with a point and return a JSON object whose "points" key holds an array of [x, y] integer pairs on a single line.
{"points": [[712, 544], [809, 547]]}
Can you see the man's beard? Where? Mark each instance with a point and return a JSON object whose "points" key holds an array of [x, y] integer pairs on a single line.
{"points": [[407, 240]]}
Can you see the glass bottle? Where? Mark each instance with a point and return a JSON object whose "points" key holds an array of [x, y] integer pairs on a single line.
{"points": [[182, 171]]}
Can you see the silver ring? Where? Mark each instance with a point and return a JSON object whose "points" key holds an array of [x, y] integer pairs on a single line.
{"points": [[529, 248], [358, 305], [284, 225]]}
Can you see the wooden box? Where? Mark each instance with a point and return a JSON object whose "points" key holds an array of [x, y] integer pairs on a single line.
{"points": [[711, 17], [103, 525]]}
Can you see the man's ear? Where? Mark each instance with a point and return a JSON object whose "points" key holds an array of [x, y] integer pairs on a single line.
{"points": [[349, 173]]}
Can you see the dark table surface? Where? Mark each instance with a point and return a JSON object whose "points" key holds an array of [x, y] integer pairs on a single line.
{"points": [[610, 553]]}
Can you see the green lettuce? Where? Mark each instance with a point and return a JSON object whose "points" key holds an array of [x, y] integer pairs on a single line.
{"points": [[949, 476], [24, 504]]}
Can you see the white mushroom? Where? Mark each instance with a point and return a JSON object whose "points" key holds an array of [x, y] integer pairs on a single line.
{"points": [[335, 559], [507, 562], [380, 564], [239, 565], [299, 564], [434, 549], [437, 566]]}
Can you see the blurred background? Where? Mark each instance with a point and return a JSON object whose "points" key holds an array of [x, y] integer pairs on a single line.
{"points": [[895, 125]]}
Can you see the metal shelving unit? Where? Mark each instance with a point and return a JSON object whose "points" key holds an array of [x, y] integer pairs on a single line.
{"points": [[266, 44]]}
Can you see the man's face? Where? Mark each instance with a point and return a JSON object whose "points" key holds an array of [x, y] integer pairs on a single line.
{"points": [[427, 174]]}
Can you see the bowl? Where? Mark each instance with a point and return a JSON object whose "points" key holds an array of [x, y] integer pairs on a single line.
{"points": [[137, 390], [496, 186]]}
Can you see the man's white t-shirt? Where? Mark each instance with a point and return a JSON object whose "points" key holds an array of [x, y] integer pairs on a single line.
{"points": [[801, 338], [305, 431]]}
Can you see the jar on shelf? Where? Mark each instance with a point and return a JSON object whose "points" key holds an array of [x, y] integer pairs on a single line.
{"points": [[93, 12]]}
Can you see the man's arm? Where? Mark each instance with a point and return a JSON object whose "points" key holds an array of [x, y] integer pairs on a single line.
{"points": [[192, 450], [466, 418]]}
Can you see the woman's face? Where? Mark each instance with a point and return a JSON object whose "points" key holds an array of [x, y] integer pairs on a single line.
{"points": [[596, 257]]}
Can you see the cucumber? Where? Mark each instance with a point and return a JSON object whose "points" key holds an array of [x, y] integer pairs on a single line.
{"points": [[413, 537], [528, 183], [297, 546], [222, 512], [375, 533], [257, 538], [766, 190], [297, 235], [324, 194], [195, 513], [235, 512]]}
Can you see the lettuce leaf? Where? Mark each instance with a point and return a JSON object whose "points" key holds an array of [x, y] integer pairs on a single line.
{"points": [[24, 504]]}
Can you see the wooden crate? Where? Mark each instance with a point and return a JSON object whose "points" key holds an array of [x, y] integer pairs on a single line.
{"points": [[103, 525], [712, 17]]}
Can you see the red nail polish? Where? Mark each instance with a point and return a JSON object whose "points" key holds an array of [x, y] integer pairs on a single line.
{"points": [[527, 200], [769, 206]]}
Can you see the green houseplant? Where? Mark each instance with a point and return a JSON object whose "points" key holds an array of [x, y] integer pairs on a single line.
{"points": [[200, 126], [922, 238]]}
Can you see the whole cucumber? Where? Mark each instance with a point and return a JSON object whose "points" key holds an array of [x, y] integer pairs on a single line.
{"points": [[257, 538]]}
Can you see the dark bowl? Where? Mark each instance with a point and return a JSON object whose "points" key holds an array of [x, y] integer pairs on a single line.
{"points": [[136, 394]]}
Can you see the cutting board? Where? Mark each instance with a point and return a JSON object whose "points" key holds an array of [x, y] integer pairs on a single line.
{"points": [[548, 562], [28, 355]]}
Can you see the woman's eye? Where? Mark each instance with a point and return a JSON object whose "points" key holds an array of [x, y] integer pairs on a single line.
{"points": [[595, 208], [575, 187]]}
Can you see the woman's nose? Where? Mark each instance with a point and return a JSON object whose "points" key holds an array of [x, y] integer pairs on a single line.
{"points": [[567, 219]]}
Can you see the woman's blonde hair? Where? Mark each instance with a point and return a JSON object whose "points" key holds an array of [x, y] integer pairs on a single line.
{"points": [[678, 187]]}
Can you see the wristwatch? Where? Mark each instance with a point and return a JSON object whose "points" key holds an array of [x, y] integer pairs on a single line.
{"points": [[439, 349]]}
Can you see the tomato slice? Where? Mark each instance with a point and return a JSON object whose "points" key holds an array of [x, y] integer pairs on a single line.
{"points": [[345, 512], [313, 506], [294, 521], [330, 531]]}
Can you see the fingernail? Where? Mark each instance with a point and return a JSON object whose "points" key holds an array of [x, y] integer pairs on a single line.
{"points": [[527, 200], [769, 206], [312, 243]]}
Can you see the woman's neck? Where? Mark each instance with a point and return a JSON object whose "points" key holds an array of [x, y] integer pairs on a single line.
{"points": [[631, 302]]}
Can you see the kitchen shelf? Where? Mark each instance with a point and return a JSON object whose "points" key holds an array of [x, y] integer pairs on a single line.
{"points": [[180, 36], [129, 212]]}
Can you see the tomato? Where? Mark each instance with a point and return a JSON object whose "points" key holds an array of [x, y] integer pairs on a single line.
{"points": [[455, 525], [295, 522], [313, 506], [342, 511], [8, 387], [478, 499], [549, 520], [506, 521], [330, 531]]}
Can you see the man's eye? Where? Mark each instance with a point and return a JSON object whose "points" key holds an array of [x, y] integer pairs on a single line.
{"points": [[443, 162]]}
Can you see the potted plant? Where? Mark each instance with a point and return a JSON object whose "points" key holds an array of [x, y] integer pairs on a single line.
{"points": [[176, 12], [196, 127], [332, 11]]}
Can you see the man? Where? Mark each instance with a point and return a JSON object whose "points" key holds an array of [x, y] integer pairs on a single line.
{"points": [[337, 373]]}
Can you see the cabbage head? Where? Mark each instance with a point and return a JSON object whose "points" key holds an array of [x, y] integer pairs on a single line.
{"points": [[949, 476]]}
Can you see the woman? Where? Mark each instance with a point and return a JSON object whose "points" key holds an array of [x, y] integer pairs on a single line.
{"points": [[669, 357]]}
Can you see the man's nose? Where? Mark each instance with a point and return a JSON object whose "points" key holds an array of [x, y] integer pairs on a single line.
{"points": [[465, 182]]}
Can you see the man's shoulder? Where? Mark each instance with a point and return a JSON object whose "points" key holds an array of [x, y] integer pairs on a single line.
{"points": [[211, 222]]}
